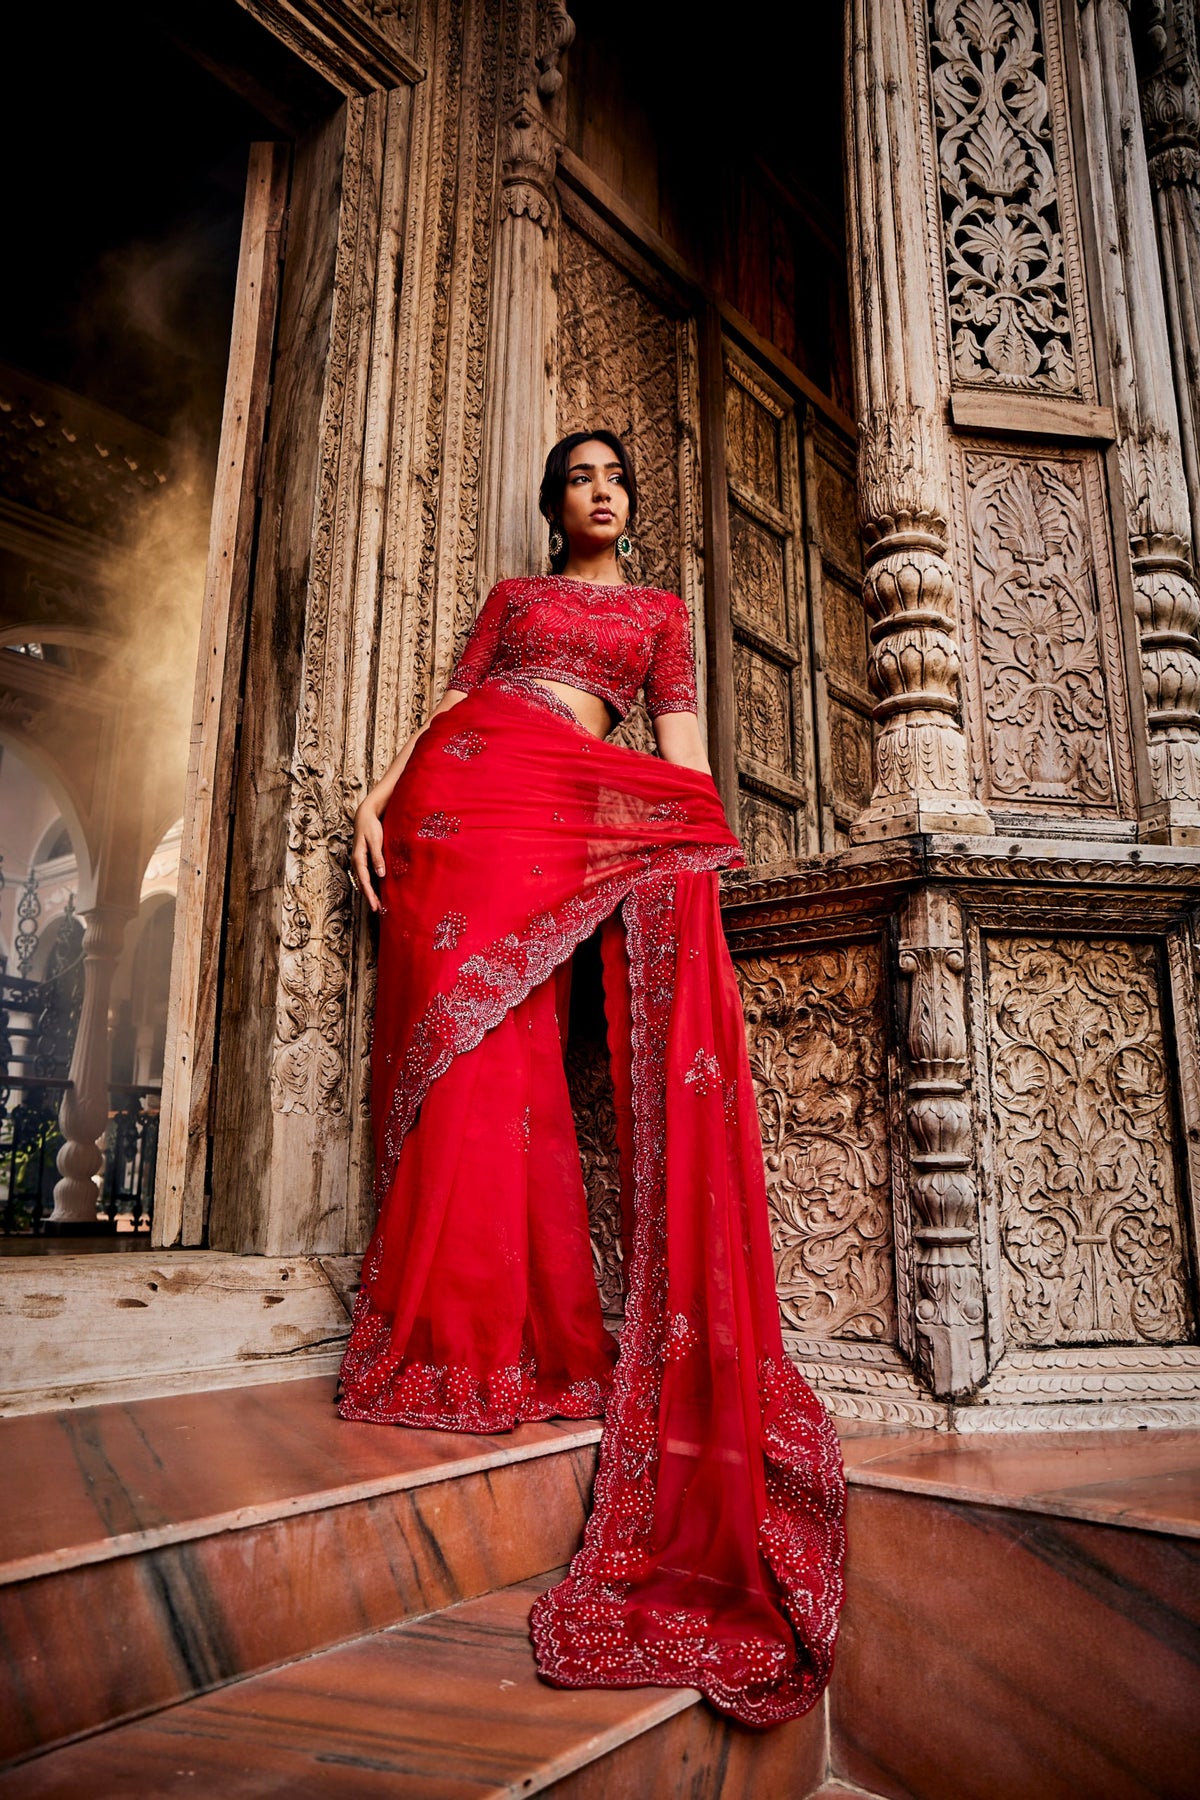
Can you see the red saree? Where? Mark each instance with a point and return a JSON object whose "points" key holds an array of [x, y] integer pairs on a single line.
{"points": [[713, 1554]]}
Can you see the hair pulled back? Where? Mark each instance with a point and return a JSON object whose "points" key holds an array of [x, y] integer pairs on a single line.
{"points": [[554, 480]]}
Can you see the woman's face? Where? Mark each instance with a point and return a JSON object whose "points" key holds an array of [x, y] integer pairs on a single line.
{"points": [[595, 502]]}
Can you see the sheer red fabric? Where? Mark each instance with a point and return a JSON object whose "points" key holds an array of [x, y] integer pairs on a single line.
{"points": [[713, 1554]]}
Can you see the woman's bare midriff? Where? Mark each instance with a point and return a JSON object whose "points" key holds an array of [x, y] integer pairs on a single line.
{"points": [[593, 713]]}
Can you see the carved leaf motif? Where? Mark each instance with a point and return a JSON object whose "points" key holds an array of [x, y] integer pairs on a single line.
{"points": [[815, 1027], [1090, 1228], [309, 1069], [1044, 694], [1010, 319]]}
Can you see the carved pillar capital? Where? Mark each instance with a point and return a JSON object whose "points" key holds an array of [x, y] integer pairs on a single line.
{"points": [[948, 1283], [528, 160], [922, 779]]}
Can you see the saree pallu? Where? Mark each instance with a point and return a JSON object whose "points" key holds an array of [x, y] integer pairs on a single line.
{"points": [[713, 1554]]}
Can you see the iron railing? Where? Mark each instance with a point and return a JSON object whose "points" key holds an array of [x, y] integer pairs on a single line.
{"points": [[30, 1140]]}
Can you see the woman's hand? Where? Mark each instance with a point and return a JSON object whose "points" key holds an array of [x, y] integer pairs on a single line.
{"points": [[366, 858]]}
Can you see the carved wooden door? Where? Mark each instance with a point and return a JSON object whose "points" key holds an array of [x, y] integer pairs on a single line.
{"points": [[791, 712]]}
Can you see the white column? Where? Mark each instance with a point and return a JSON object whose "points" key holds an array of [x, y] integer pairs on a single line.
{"points": [[84, 1108]]}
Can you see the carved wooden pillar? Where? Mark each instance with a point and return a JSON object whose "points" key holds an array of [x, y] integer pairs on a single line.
{"points": [[85, 1103], [1171, 121], [944, 1195], [922, 781], [520, 395], [1149, 449]]}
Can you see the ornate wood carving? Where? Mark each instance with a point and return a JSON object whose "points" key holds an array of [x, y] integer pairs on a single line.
{"points": [[1089, 1218], [768, 613], [1011, 294], [521, 405], [922, 780], [1147, 411], [948, 1289], [1051, 725], [358, 45], [815, 1025], [626, 361], [1170, 95]]}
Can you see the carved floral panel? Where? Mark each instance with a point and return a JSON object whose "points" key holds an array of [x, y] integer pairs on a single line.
{"points": [[815, 1023], [618, 368], [757, 578], [1090, 1227], [767, 829], [1049, 720], [764, 709], [1008, 279], [752, 447]]}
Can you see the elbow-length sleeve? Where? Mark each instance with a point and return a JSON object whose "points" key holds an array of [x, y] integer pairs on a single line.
{"points": [[670, 684], [477, 654]]}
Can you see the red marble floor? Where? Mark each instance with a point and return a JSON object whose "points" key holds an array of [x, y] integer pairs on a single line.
{"points": [[143, 1473], [1022, 1608]]}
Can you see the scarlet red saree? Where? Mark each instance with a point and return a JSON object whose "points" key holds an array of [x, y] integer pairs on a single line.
{"points": [[713, 1554]]}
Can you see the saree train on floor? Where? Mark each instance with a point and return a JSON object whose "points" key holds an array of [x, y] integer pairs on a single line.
{"points": [[713, 1554]]}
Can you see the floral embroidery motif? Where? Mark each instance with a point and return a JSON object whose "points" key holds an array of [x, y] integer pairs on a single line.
{"points": [[465, 745], [681, 1337], [705, 1074], [674, 810], [439, 825], [449, 929]]}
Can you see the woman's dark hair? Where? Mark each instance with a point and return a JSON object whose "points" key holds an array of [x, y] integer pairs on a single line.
{"points": [[554, 481]]}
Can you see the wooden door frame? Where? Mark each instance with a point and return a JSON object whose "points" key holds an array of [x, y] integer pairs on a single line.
{"points": [[189, 1073]]}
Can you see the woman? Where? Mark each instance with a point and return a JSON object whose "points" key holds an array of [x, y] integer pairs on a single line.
{"points": [[713, 1554]]}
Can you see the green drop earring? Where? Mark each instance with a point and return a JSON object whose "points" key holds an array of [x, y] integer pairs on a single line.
{"points": [[624, 545]]}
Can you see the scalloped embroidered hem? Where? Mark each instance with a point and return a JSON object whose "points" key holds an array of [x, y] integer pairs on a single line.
{"points": [[382, 1388], [570, 1404]]}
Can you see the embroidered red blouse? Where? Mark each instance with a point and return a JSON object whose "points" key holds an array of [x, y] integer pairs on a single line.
{"points": [[608, 641]]}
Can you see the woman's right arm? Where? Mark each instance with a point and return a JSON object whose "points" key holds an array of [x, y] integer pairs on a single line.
{"points": [[472, 665], [366, 858]]}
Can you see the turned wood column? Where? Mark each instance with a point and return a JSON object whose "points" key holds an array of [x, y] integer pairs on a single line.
{"points": [[948, 1316], [1147, 414], [521, 407], [921, 769], [84, 1109]]}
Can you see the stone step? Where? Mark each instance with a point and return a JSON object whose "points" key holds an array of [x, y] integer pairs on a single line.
{"points": [[157, 1548], [447, 1707], [1022, 1616], [1023, 1611]]}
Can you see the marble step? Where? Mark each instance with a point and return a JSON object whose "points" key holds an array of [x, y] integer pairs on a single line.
{"points": [[1022, 1617], [447, 1707], [154, 1549]]}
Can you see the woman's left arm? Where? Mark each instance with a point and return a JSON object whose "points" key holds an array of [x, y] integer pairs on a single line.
{"points": [[677, 735]]}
